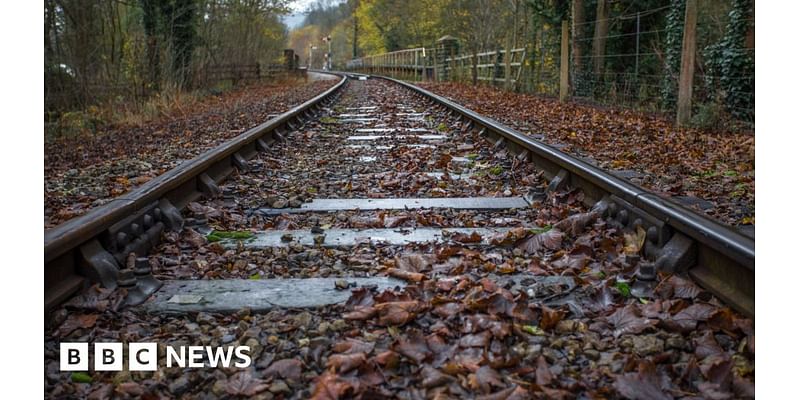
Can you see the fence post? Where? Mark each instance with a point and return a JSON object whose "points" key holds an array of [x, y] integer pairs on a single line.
{"points": [[507, 70], [563, 88], [687, 64], [444, 46], [496, 67]]}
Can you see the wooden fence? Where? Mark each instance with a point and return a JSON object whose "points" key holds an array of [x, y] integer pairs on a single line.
{"points": [[496, 67]]}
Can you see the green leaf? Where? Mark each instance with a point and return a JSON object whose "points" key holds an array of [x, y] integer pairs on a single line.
{"points": [[541, 230], [255, 277], [533, 330], [216, 236], [623, 288], [81, 377]]}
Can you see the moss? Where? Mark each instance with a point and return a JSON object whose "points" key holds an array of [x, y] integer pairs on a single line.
{"points": [[623, 288], [328, 120], [496, 170], [216, 236], [442, 127]]}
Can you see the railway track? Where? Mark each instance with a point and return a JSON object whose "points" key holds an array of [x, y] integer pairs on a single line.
{"points": [[381, 240]]}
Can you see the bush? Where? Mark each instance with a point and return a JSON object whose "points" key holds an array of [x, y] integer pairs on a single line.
{"points": [[709, 116]]}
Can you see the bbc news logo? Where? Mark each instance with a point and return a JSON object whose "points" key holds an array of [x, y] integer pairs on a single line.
{"points": [[144, 356]]}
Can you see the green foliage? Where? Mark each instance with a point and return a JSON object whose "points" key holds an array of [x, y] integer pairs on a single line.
{"points": [[673, 41], [624, 288], [533, 330], [81, 377], [709, 115], [216, 236], [99, 51], [730, 66]]}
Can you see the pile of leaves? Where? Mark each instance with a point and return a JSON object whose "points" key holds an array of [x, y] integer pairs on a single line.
{"points": [[711, 171], [85, 171]]}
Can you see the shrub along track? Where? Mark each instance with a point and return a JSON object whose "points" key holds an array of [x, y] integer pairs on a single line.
{"points": [[521, 280]]}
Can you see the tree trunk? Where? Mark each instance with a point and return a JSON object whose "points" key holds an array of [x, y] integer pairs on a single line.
{"points": [[600, 36], [578, 20], [355, 37], [687, 64], [150, 22]]}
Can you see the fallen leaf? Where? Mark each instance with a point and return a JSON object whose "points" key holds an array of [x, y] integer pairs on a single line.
{"points": [[289, 368], [245, 384], [549, 240]]}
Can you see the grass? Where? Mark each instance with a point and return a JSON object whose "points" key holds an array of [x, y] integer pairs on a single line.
{"points": [[134, 111]]}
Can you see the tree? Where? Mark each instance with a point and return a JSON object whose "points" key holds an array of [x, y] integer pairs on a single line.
{"points": [[600, 37]]}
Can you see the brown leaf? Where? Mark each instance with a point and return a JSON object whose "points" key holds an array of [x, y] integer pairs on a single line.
{"points": [[485, 378], [628, 320], [508, 238], [635, 386], [686, 320], [543, 375], [634, 241], [393, 222], [245, 384], [413, 262], [289, 368], [573, 262], [193, 238], [398, 312], [548, 240], [360, 313], [405, 275], [683, 288], [75, 321], [432, 377], [476, 340], [346, 362], [706, 345], [131, 389], [473, 237], [448, 310], [550, 318], [513, 393], [414, 347], [353, 346], [330, 387], [575, 224]]}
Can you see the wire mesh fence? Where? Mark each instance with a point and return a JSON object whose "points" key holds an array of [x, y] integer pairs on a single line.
{"points": [[630, 60]]}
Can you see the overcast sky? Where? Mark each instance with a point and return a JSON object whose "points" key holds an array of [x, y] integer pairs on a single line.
{"points": [[299, 6]]}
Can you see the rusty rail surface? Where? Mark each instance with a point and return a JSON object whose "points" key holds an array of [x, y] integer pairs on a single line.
{"points": [[717, 257], [133, 221]]}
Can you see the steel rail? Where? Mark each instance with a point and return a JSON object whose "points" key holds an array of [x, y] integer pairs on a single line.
{"points": [[179, 185], [725, 258]]}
